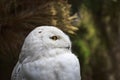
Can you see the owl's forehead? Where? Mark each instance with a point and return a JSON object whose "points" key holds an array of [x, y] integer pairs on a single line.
{"points": [[48, 29]]}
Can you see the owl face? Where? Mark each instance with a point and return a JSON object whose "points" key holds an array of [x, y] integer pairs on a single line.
{"points": [[49, 37]]}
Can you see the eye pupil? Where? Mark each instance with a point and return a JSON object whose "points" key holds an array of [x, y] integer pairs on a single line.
{"points": [[54, 37]]}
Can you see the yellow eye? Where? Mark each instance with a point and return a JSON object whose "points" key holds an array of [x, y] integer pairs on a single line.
{"points": [[54, 37]]}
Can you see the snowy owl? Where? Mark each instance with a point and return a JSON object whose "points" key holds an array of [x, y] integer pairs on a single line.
{"points": [[46, 55]]}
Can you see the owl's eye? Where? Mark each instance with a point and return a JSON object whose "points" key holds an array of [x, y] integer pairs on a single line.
{"points": [[54, 37]]}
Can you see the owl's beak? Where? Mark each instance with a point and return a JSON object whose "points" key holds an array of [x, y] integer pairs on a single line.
{"points": [[68, 47]]}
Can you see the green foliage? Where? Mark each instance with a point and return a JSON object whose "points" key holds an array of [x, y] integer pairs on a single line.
{"points": [[98, 39], [87, 40]]}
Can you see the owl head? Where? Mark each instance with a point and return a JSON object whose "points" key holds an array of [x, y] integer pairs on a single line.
{"points": [[46, 37]]}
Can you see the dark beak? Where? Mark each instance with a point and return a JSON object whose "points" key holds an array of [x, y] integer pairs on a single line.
{"points": [[68, 47]]}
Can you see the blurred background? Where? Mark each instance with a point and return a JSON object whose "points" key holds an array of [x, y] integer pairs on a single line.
{"points": [[93, 26]]}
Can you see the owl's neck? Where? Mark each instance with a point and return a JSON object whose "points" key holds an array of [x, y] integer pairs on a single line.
{"points": [[42, 53], [51, 52]]}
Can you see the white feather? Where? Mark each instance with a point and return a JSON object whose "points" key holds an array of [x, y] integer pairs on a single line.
{"points": [[42, 58]]}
